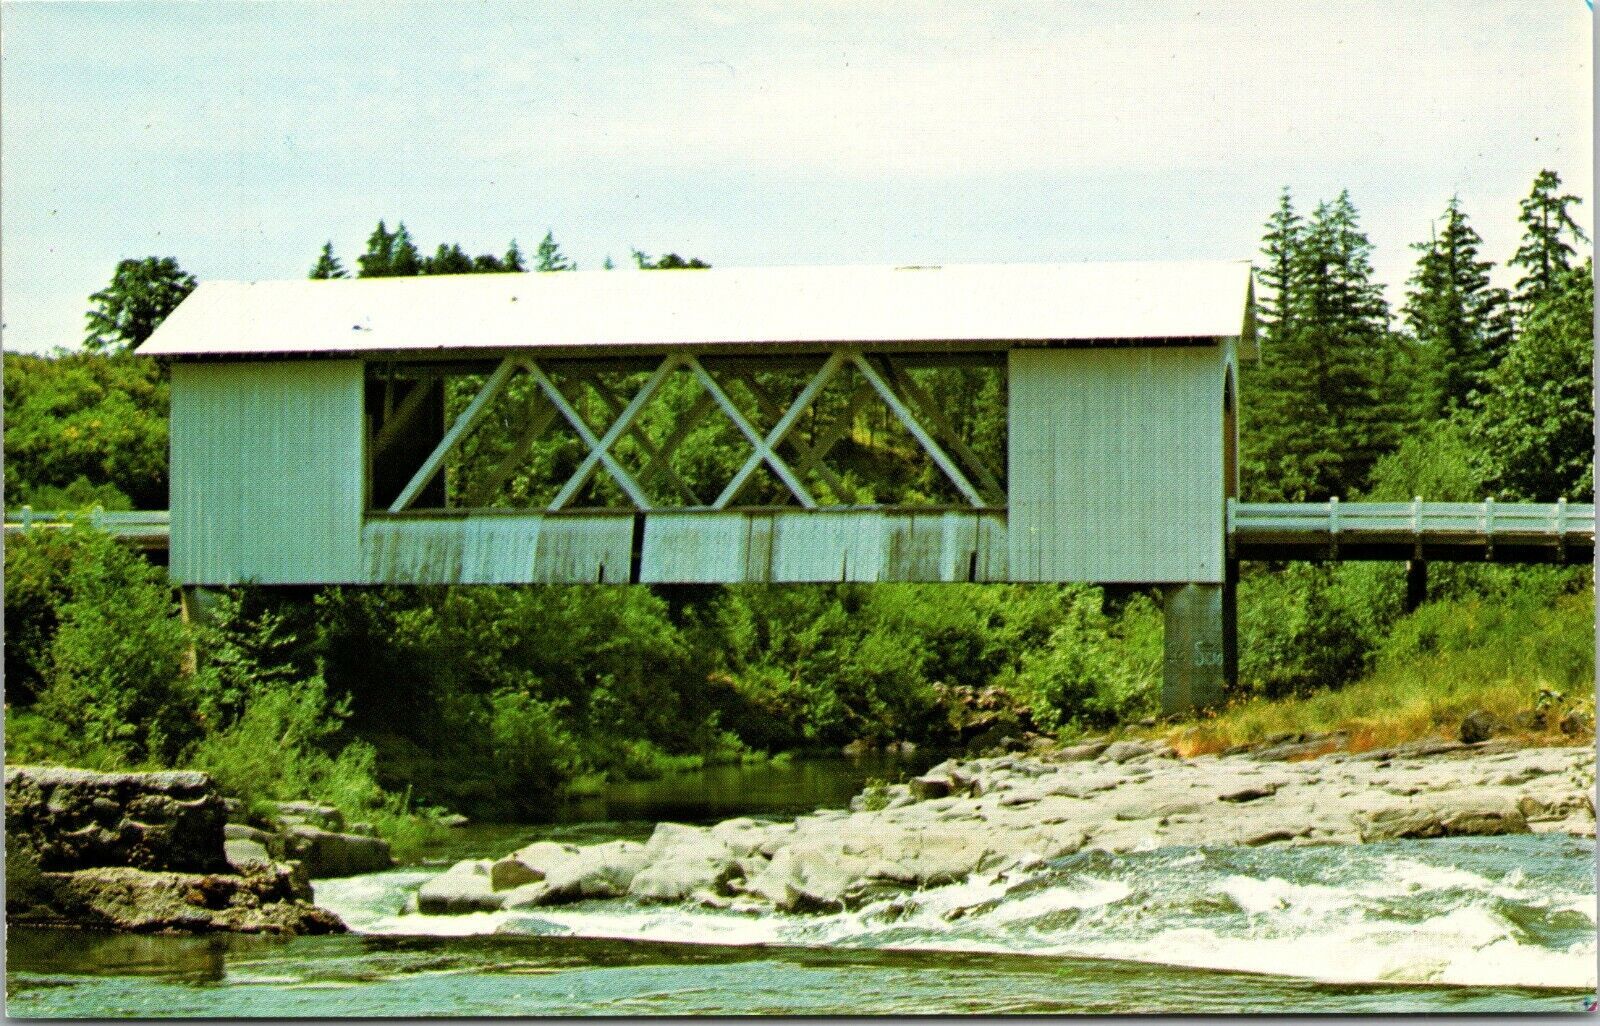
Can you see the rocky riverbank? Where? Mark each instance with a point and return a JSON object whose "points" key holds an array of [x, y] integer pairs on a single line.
{"points": [[1018, 811], [155, 852]]}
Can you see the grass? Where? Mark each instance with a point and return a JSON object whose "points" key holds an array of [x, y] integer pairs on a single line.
{"points": [[1439, 664]]}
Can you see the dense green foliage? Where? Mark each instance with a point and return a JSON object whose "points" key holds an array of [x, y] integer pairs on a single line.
{"points": [[140, 296], [84, 429], [489, 700]]}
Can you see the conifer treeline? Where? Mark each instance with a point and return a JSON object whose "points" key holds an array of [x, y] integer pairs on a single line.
{"points": [[1344, 403]]}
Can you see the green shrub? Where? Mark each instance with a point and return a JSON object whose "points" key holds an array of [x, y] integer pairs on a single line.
{"points": [[116, 679], [1096, 670]]}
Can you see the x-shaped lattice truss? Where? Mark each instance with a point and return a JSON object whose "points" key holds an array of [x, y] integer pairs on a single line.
{"points": [[881, 375]]}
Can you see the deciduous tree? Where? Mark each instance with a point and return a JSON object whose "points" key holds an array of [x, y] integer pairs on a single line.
{"points": [[140, 296]]}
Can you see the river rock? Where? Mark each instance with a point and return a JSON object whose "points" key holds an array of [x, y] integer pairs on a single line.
{"points": [[1576, 722], [66, 819], [1443, 816], [675, 842], [324, 817], [246, 855], [327, 854], [600, 871], [677, 877], [809, 878], [464, 887], [1254, 792], [930, 786], [1123, 751], [530, 864], [1478, 725], [146, 901]]}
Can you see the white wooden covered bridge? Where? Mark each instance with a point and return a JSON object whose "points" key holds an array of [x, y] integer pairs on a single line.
{"points": [[377, 431]]}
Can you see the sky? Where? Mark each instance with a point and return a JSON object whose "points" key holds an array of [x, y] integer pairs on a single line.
{"points": [[239, 137]]}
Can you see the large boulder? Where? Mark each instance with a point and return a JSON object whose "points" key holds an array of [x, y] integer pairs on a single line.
{"points": [[69, 819], [530, 864], [464, 887], [122, 898], [1449, 816], [1478, 726], [680, 862], [324, 817], [601, 871], [327, 854]]}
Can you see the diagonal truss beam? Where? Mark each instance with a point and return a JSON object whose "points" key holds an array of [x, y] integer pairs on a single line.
{"points": [[600, 448], [537, 424], [920, 433], [653, 454], [934, 416], [464, 423], [807, 396], [687, 422], [810, 456], [397, 419], [764, 448]]}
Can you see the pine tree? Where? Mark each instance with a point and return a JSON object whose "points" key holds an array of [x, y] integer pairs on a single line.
{"points": [[327, 265], [139, 297], [404, 259], [451, 259], [1280, 245], [609, 265], [378, 260], [1545, 253], [550, 258], [512, 261], [1537, 438], [1462, 323], [1324, 404]]}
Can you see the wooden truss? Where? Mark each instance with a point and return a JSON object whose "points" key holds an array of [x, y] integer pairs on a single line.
{"points": [[881, 376]]}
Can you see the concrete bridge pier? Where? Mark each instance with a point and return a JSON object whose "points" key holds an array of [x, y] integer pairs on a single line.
{"points": [[1201, 645], [198, 606]]}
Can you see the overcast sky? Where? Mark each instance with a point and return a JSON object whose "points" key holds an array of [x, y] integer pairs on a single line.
{"points": [[240, 137]]}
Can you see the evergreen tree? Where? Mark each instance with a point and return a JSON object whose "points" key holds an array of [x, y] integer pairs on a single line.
{"points": [[670, 262], [1324, 404], [674, 262], [139, 297], [378, 260], [1281, 246], [1545, 253], [450, 259], [404, 259], [487, 263], [327, 265], [609, 265], [1537, 438], [512, 261], [549, 256], [1462, 323]]}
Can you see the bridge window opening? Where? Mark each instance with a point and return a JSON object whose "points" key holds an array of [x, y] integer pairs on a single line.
{"points": [[842, 429]]}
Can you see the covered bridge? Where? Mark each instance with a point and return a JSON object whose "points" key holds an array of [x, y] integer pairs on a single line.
{"points": [[402, 430]]}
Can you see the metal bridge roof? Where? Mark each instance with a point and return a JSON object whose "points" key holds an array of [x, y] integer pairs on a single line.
{"points": [[598, 310]]}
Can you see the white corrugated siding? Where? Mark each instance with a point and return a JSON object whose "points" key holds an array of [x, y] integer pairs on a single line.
{"points": [[1115, 466], [267, 475]]}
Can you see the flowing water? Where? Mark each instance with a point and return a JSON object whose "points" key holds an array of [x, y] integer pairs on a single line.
{"points": [[1463, 925]]}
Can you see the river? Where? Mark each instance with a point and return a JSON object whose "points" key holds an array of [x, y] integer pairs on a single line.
{"points": [[1463, 925]]}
